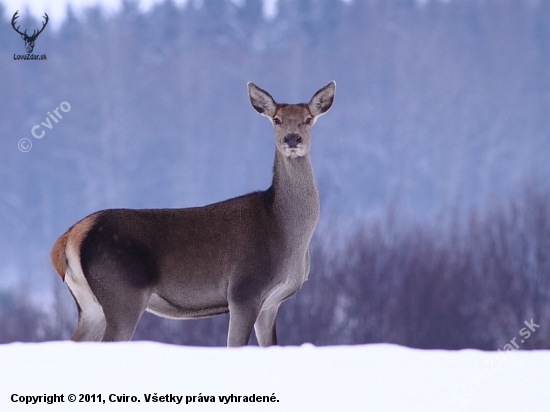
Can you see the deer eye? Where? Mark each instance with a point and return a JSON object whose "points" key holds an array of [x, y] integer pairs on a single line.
{"points": [[276, 121], [309, 120]]}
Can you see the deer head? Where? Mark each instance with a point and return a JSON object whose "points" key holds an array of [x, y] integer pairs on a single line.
{"points": [[292, 122], [29, 40]]}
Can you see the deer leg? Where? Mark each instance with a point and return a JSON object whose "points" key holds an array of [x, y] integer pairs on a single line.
{"points": [[91, 323], [91, 319], [120, 315], [241, 322], [123, 313], [265, 326], [121, 276]]}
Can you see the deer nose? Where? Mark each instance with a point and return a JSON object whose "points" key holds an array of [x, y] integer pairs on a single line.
{"points": [[292, 139]]}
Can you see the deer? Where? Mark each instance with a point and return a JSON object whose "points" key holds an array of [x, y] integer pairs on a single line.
{"points": [[29, 40], [243, 256]]}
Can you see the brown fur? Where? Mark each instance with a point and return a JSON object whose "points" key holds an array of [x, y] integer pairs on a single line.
{"points": [[75, 234], [57, 254]]}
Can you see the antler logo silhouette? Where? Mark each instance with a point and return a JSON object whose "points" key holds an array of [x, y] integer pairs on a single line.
{"points": [[29, 40]]}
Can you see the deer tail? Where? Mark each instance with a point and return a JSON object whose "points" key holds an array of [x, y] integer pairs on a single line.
{"points": [[57, 254]]}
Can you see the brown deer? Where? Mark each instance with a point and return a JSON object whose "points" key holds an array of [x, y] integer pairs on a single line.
{"points": [[29, 40], [244, 255]]}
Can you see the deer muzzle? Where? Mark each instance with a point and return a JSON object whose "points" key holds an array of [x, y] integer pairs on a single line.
{"points": [[292, 140]]}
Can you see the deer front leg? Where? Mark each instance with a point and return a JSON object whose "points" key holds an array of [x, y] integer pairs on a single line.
{"points": [[241, 321], [265, 326]]}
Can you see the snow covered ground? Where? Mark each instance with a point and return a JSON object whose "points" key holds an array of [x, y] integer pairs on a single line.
{"points": [[378, 377]]}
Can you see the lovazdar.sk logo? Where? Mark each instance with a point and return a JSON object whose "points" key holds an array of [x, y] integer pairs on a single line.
{"points": [[29, 40]]}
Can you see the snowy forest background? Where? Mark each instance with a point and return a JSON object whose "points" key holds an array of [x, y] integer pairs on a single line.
{"points": [[432, 165]]}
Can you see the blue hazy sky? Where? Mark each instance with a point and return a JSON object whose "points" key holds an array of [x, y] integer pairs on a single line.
{"points": [[56, 8]]}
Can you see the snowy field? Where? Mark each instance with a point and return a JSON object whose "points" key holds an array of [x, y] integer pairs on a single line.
{"points": [[347, 378]]}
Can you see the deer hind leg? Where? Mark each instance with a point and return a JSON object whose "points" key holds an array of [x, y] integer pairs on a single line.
{"points": [[122, 279], [91, 319], [109, 316], [122, 314], [91, 324], [122, 302]]}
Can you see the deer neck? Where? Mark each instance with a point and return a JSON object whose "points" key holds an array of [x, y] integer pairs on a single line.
{"points": [[295, 197]]}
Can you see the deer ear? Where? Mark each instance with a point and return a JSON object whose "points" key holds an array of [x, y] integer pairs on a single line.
{"points": [[261, 100], [322, 100]]}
